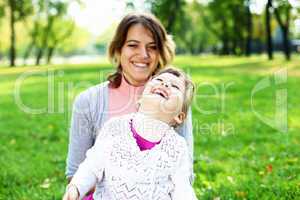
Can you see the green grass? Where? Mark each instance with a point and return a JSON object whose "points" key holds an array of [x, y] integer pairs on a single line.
{"points": [[237, 155]]}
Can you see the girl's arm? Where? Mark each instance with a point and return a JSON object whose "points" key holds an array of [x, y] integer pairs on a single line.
{"points": [[91, 170], [87, 174], [84, 179], [181, 179]]}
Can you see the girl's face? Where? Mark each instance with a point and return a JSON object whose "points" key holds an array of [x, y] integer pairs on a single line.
{"points": [[139, 55], [164, 96]]}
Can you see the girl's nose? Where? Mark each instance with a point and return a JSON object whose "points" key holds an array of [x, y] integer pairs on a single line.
{"points": [[165, 83]]}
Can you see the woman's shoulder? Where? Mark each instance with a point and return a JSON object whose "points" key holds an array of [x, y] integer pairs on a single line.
{"points": [[92, 94], [94, 90]]}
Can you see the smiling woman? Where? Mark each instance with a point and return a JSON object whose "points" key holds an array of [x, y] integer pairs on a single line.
{"points": [[139, 49]]}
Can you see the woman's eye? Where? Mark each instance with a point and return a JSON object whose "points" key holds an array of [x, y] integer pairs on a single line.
{"points": [[153, 47], [132, 45]]}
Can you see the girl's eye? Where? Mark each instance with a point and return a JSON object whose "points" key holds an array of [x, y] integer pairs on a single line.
{"points": [[159, 79], [175, 86]]}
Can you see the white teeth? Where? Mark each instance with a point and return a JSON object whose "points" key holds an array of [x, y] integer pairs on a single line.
{"points": [[161, 93], [140, 64]]}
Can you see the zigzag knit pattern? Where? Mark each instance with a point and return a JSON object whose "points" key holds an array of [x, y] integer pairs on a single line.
{"points": [[132, 174]]}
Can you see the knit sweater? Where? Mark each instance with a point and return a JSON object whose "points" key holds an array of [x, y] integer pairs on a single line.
{"points": [[121, 171], [92, 108]]}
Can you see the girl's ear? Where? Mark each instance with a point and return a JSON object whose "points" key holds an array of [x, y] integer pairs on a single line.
{"points": [[179, 118]]}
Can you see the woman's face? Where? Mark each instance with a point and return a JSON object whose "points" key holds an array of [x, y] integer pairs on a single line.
{"points": [[139, 55]]}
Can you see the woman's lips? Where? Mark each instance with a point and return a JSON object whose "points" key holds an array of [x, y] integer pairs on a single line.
{"points": [[140, 65]]}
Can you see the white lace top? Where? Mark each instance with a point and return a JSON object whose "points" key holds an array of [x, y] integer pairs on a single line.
{"points": [[121, 170]]}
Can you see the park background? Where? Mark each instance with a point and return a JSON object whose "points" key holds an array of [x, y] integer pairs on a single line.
{"points": [[243, 56]]}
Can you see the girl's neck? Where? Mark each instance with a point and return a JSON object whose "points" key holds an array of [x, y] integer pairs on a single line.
{"points": [[148, 127]]}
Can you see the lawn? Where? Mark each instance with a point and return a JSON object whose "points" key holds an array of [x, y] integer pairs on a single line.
{"points": [[245, 148]]}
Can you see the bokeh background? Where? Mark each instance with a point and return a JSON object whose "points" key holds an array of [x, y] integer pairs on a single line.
{"points": [[243, 55]]}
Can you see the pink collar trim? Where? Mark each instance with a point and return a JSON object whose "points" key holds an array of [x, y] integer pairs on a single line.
{"points": [[141, 142]]}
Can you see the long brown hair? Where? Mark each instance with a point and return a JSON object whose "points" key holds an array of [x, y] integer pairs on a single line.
{"points": [[164, 43]]}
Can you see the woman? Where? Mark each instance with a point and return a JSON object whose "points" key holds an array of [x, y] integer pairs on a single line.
{"points": [[140, 47]]}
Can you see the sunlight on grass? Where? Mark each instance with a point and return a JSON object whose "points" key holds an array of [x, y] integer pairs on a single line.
{"points": [[237, 156]]}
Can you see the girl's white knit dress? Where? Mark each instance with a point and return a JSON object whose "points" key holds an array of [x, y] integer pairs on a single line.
{"points": [[121, 170]]}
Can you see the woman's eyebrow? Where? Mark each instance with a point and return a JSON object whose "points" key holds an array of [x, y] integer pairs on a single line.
{"points": [[132, 41], [150, 43], [136, 41]]}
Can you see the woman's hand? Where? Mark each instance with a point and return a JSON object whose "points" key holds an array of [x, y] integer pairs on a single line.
{"points": [[71, 193]]}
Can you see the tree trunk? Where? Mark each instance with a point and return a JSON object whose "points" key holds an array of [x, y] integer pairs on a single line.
{"points": [[27, 52], [268, 30], [39, 56], [47, 30], [285, 31], [32, 44], [50, 54], [225, 38], [286, 43], [249, 30], [12, 6]]}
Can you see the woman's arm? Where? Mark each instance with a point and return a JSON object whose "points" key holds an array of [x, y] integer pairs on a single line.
{"points": [[186, 131], [182, 186], [81, 135]]}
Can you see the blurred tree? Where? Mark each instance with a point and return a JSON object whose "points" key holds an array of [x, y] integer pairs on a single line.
{"points": [[282, 12], [173, 16], [62, 29], [52, 11], [2, 14], [249, 25], [103, 40], [227, 21], [18, 10], [2, 10], [48, 27], [268, 29], [258, 33], [169, 12], [75, 42], [33, 32], [197, 37]]}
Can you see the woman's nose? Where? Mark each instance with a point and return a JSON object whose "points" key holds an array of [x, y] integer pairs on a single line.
{"points": [[144, 52]]}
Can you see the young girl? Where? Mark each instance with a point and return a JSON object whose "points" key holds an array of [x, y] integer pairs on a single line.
{"points": [[140, 155]]}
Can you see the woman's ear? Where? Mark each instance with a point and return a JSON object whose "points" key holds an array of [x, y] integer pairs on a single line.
{"points": [[179, 118]]}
